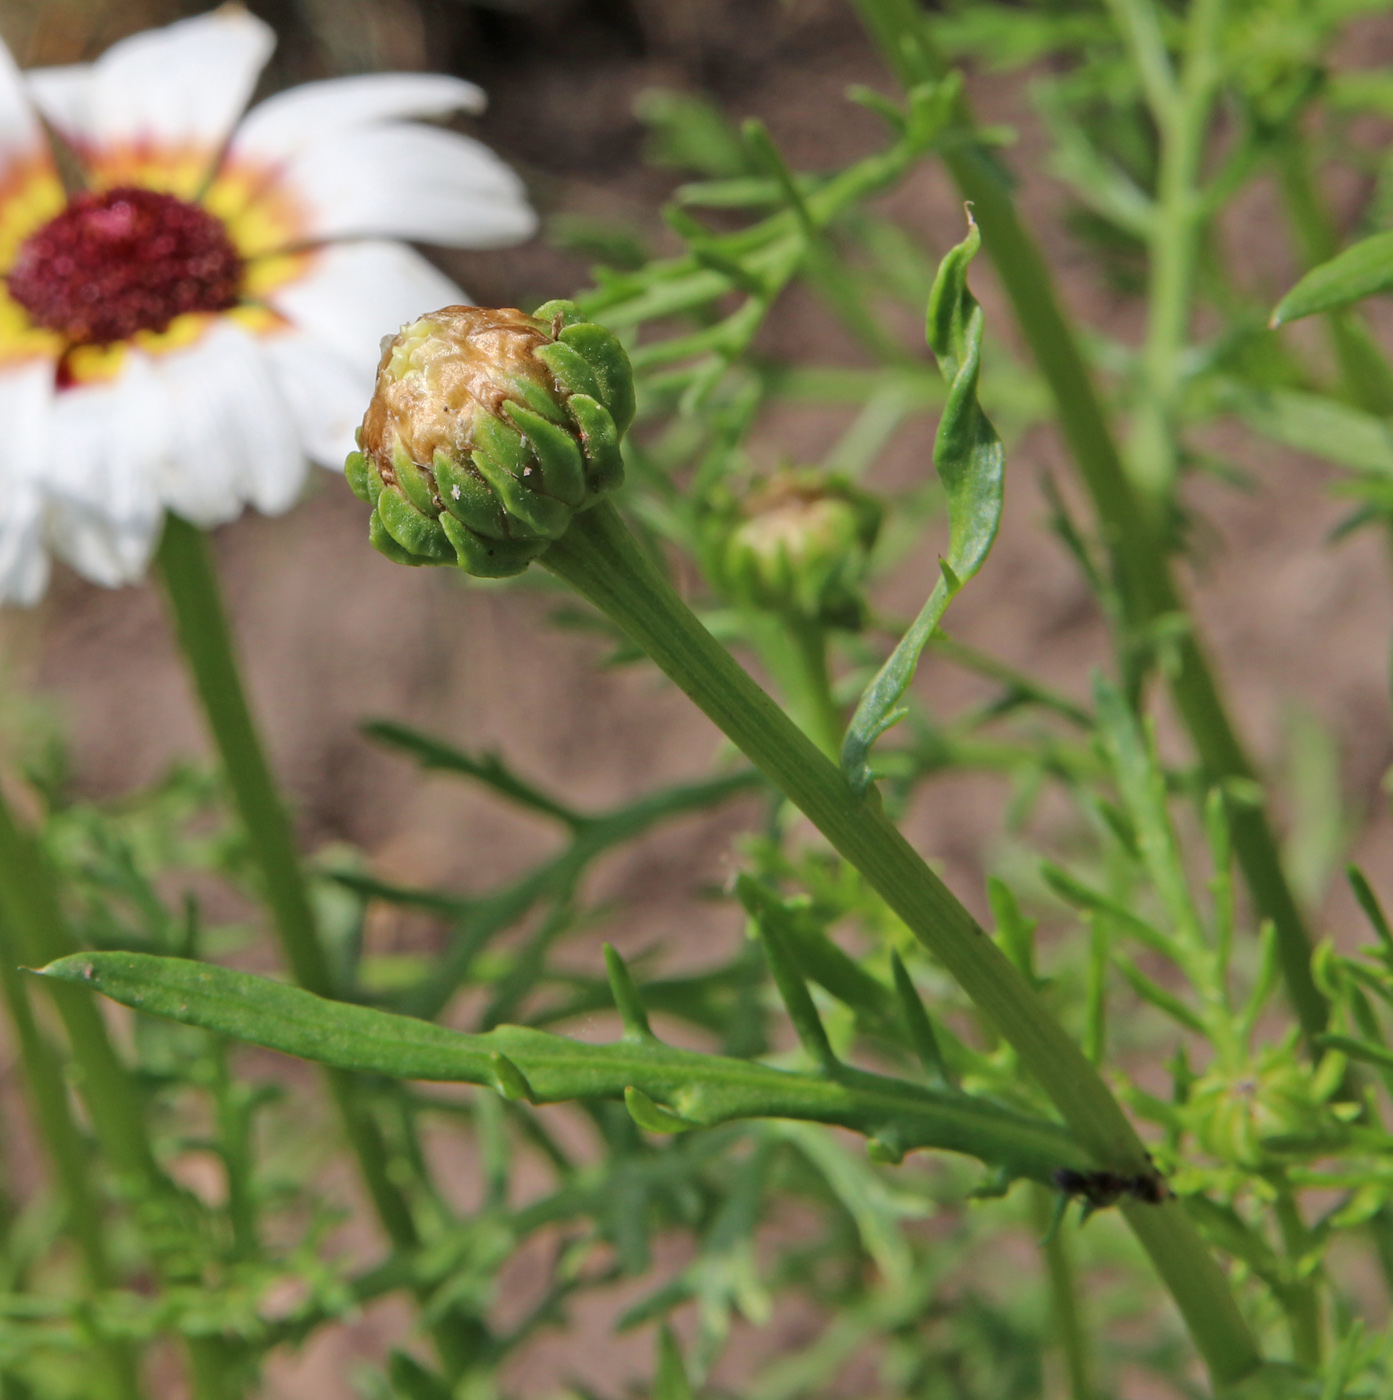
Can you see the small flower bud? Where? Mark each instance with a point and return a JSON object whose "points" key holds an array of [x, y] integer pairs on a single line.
{"points": [[487, 431], [797, 543], [1234, 1112]]}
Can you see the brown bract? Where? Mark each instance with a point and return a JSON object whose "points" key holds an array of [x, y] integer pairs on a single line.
{"points": [[439, 373]]}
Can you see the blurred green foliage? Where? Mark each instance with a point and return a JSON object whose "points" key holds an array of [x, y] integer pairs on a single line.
{"points": [[922, 1280]]}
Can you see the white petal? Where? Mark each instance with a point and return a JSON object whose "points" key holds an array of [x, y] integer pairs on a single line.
{"points": [[21, 136], [63, 96], [102, 549], [355, 293], [25, 400], [327, 396], [103, 510], [232, 438], [185, 84], [288, 122], [412, 182]]}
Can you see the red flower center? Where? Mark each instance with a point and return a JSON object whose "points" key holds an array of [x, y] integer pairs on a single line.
{"points": [[121, 261]]}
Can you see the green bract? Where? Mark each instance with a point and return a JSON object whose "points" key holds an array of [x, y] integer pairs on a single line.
{"points": [[487, 431], [797, 543]]}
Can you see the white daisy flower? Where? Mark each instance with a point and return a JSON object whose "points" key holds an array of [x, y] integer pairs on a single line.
{"points": [[204, 317]]}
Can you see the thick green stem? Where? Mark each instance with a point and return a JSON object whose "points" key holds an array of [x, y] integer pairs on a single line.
{"points": [[601, 560], [1070, 1331], [206, 639], [1136, 550]]}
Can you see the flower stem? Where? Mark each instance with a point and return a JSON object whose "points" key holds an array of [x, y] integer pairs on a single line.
{"points": [[826, 722], [206, 639], [600, 559], [795, 652], [1137, 551]]}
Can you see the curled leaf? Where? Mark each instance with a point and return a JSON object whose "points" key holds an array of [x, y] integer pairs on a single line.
{"points": [[970, 462]]}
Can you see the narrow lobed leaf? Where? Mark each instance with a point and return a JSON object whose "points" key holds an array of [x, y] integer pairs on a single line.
{"points": [[626, 998], [702, 1089], [1373, 909], [812, 1035], [921, 1031]]}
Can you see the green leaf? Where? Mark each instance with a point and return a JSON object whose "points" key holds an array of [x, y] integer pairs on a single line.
{"points": [[1069, 887], [690, 133], [1357, 1049], [626, 997], [1373, 909], [868, 1196], [1320, 426], [671, 1382], [1319, 830], [1161, 999], [509, 1080], [788, 976], [412, 1381], [917, 1023], [653, 1117], [701, 1089], [970, 462], [489, 769], [1360, 271], [1014, 932]]}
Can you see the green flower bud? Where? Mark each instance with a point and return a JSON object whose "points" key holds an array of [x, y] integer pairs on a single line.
{"points": [[1233, 1112], [487, 431], [798, 542]]}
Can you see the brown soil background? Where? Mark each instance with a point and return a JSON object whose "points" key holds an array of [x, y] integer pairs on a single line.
{"points": [[332, 634]]}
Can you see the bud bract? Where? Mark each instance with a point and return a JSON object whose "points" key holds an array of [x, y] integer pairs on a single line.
{"points": [[798, 542], [487, 431]]}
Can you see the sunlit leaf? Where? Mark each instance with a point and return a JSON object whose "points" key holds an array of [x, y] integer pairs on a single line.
{"points": [[701, 1089]]}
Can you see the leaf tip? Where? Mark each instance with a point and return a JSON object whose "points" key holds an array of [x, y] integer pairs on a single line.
{"points": [[653, 1117], [75, 967], [626, 996], [510, 1082]]}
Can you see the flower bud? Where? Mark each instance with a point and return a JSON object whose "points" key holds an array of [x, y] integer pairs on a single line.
{"points": [[487, 431], [798, 542], [1232, 1112]]}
